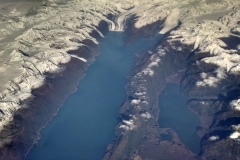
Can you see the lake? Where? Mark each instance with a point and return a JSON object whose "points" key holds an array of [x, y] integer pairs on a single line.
{"points": [[85, 124], [174, 114]]}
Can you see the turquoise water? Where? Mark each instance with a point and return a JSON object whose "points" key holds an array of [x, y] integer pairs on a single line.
{"points": [[86, 122], [175, 114]]}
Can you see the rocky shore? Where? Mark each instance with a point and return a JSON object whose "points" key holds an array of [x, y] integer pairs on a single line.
{"points": [[137, 135], [24, 129], [199, 50], [213, 95]]}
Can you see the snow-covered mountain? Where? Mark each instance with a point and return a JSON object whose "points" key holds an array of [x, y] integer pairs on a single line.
{"points": [[36, 38]]}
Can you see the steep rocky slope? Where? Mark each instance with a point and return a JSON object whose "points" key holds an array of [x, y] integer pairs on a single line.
{"points": [[43, 64], [50, 44], [202, 52]]}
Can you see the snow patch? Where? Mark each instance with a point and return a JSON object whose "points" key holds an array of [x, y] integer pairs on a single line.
{"points": [[171, 21], [128, 125], [235, 104], [213, 138], [146, 115], [235, 135], [135, 101]]}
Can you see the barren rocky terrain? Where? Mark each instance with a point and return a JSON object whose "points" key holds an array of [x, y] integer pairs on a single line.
{"points": [[200, 51]]}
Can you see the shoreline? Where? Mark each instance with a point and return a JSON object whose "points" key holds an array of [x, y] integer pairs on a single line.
{"points": [[92, 59], [45, 96], [55, 114], [125, 144], [205, 78]]}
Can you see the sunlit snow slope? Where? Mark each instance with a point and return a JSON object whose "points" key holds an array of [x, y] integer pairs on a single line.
{"points": [[35, 37]]}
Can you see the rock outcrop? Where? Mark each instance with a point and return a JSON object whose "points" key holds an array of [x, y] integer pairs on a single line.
{"points": [[200, 52], [48, 59], [51, 44]]}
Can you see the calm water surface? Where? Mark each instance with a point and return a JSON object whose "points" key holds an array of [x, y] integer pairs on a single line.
{"points": [[174, 114], [86, 122]]}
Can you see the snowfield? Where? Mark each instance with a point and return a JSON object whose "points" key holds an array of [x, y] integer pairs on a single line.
{"points": [[35, 38]]}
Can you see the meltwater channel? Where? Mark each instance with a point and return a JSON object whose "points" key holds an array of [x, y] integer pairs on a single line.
{"points": [[85, 124]]}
